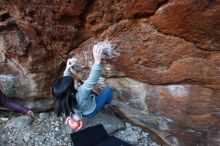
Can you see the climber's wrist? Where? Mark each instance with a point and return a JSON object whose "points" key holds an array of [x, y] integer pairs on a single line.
{"points": [[97, 62]]}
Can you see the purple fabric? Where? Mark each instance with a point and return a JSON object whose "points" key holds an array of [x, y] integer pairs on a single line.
{"points": [[4, 102]]}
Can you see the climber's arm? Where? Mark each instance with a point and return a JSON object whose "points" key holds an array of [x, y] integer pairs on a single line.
{"points": [[70, 63], [94, 75]]}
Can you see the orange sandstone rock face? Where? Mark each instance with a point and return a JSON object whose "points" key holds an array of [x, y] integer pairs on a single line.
{"points": [[194, 21], [168, 62]]}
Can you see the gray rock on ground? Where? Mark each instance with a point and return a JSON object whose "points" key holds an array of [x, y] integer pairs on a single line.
{"points": [[108, 119], [19, 122]]}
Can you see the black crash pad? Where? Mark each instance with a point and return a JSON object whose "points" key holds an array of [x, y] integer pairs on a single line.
{"points": [[95, 136], [113, 141]]}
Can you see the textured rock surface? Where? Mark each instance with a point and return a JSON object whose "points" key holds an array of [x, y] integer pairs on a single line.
{"points": [[168, 65], [108, 119], [194, 21]]}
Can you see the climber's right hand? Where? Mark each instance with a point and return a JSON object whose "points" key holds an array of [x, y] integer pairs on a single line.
{"points": [[97, 53]]}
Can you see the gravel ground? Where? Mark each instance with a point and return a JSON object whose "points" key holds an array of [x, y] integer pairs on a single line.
{"points": [[48, 130], [135, 136]]}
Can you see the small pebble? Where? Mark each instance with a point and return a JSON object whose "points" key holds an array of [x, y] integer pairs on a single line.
{"points": [[4, 119]]}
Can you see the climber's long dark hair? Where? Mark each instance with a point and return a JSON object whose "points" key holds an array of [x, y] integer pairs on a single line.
{"points": [[64, 95]]}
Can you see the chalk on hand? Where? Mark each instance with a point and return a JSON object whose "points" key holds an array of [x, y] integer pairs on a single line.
{"points": [[72, 61]]}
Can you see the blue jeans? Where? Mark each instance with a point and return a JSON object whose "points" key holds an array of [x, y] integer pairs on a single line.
{"points": [[104, 97]]}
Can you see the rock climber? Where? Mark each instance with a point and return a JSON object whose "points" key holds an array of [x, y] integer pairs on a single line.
{"points": [[76, 101]]}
